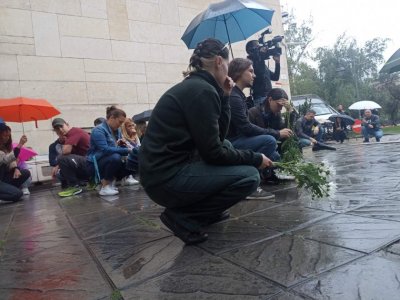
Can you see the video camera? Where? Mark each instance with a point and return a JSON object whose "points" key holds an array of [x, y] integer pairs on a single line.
{"points": [[273, 46]]}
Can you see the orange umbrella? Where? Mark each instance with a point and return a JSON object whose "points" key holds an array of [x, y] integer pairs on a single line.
{"points": [[23, 109]]}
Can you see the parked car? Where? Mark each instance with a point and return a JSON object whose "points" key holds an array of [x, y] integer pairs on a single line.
{"points": [[322, 109]]}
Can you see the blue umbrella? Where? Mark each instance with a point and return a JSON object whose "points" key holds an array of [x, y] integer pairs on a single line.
{"points": [[228, 21]]}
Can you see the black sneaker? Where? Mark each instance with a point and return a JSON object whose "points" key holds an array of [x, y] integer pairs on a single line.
{"points": [[365, 141], [217, 218], [378, 139], [188, 237], [260, 194]]}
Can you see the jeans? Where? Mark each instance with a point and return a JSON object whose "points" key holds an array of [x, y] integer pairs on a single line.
{"points": [[199, 191], [367, 132], [265, 144], [306, 142], [73, 169], [110, 167], [9, 186]]}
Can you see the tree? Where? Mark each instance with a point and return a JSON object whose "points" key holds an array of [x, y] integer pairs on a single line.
{"points": [[346, 70], [298, 38]]}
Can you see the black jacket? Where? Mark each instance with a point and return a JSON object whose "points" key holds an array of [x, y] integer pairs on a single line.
{"points": [[373, 120], [240, 125], [262, 83], [190, 121], [304, 127]]}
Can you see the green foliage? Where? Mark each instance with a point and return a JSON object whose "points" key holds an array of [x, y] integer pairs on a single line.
{"points": [[341, 74], [314, 177], [116, 295]]}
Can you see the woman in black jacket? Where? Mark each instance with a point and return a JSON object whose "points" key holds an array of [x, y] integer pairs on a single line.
{"points": [[186, 165], [11, 177]]}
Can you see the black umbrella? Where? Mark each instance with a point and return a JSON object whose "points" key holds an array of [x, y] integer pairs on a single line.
{"points": [[393, 64], [347, 120], [142, 117]]}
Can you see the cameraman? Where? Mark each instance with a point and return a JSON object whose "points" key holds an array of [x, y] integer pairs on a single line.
{"points": [[262, 83]]}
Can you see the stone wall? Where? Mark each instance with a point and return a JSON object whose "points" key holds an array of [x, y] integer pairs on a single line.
{"points": [[84, 55]]}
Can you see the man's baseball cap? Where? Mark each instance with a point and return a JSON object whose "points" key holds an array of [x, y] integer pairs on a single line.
{"points": [[58, 122]]}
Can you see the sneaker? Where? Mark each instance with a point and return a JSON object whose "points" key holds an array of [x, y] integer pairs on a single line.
{"points": [[260, 194], [187, 236], [130, 180], [91, 186], [113, 185], [108, 191], [25, 191], [378, 139], [71, 191], [365, 141]]}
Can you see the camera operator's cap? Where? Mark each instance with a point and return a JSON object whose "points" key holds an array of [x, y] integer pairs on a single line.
{"points": [[58, 122]]}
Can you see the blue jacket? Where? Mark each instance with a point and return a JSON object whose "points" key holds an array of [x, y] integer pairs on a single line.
{"points": [[103, 142]]}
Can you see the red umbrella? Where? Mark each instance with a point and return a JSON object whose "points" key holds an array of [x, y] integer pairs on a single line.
{"points": [[23, 109]]}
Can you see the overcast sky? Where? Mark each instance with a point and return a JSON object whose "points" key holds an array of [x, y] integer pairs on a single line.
{"points": [[359, 19]]}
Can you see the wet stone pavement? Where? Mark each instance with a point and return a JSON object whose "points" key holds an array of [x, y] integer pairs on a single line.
{"points": [[346, 246]]}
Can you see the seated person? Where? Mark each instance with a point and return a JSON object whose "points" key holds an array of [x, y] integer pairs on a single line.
{"points": [[106, 151], [11, 178], [98, 121], [243, 134], [339, 130], [55, 150], [269, 115], [129, 135], [141, 129], [72, 161], [371, 126], [308, 129]]}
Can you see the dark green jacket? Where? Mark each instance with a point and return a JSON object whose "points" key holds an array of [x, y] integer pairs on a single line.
{"points": [[189, 121]]}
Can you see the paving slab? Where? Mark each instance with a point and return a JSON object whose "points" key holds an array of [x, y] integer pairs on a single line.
{"points": [[209, 278], [285, 217], [353, 232], [371, 277], [290, 259]]}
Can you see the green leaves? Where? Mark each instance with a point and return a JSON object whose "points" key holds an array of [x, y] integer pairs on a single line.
{"points": [[312, 176]]}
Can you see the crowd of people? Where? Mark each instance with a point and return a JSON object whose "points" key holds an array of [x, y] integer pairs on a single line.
{"points": [[107, 155], [204, 150]]}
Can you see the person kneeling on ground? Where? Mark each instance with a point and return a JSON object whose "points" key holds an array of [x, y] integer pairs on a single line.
{"points": [[185, 163], [72, 161], [106, 151], [308, 130], [371, 126], [11, 178]]}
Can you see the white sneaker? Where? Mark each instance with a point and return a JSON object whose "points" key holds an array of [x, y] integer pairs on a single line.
{"points": [[108, 191], [113, 185], [25, 191], [130, 180]]}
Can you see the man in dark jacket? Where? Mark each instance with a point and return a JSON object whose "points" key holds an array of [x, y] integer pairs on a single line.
{"points": [[72, 161], [308, 129], [371, 126], [269, 115], [262, 82], [185, 163]]}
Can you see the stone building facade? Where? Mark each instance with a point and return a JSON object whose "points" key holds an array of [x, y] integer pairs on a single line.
{"points": [[84, 55]]}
